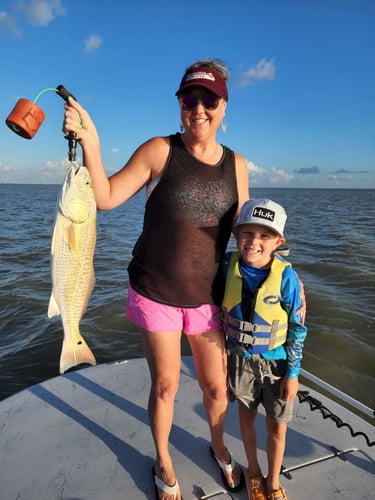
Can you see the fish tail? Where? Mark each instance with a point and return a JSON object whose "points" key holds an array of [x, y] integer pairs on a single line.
{"points": [[74, 353]]}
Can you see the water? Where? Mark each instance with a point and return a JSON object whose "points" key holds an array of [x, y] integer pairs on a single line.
{"points": [[332, 238]]}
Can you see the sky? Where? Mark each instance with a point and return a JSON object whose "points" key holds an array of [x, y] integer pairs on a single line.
{"points": [[301, 107]]}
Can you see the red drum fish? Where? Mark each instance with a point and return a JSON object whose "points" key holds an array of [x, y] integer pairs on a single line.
{"points": [[73, 276]]}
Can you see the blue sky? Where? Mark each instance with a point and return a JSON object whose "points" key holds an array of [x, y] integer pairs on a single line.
{"points": [[301, 108]]}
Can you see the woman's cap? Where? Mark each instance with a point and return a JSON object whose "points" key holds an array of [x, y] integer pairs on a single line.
{"points": [[263, 212], [206, 77]]}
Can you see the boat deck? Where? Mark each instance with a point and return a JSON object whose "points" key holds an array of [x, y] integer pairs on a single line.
{"points": [[85, 436]]}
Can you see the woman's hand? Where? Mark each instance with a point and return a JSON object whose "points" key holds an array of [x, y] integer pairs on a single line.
{"points": [[77, 120]]}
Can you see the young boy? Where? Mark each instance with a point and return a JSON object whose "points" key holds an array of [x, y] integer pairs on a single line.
{"points": [[265, 338]]}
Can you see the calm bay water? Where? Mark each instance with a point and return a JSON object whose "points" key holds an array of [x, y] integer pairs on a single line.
{"points": [[331, 234]]}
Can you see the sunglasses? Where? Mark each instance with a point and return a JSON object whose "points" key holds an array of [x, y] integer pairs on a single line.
{"points": [[189, 101]]}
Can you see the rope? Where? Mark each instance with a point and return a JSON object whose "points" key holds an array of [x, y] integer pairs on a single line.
{"points": [[42, 92], [315, 404]]}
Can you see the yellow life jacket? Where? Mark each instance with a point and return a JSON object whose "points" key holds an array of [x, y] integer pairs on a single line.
{"points": [[269, 322]]}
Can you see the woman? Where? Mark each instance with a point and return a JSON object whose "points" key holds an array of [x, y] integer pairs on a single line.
{"points": [[195, 189]]}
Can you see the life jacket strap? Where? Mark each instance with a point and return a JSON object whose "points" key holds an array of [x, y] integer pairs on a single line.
{"points": [[249, 339], [246, 326], [274, 337]]}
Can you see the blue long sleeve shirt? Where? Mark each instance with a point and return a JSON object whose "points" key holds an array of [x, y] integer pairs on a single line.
{"points": [[291, 350]]}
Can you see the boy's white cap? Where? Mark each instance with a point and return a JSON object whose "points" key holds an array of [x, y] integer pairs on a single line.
{"points": [[264, 212]]}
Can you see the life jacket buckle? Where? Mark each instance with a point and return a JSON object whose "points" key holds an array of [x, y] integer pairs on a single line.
{"points": [[247, 327]]}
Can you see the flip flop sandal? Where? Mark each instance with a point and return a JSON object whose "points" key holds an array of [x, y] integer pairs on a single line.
{"points": [[229, 468], [160, 485]]}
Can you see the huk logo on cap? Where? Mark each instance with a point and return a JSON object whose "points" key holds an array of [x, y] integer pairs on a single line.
{"points": [[263, 213]]}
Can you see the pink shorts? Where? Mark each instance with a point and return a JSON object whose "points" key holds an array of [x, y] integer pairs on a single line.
{"points": [[155, 317]]}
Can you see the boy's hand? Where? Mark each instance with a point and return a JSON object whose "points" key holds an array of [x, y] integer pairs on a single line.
{"points": [[288, 388]]}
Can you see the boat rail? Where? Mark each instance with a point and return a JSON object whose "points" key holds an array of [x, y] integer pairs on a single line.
{"points": [[315, 404], [366, 410]]}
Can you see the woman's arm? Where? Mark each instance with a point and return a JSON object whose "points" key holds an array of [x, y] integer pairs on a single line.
{"points": [[146, 163], [242, 176]]}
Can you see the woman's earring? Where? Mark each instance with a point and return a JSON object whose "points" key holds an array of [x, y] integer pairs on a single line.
{"points": [[224, 125], [181, 128]]}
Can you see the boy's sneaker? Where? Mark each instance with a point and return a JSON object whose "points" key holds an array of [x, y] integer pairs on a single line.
{"points": [[277, 494], [256, 488]]}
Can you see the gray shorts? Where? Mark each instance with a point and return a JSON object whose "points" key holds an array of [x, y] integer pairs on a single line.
{"points": [[256, 380]]}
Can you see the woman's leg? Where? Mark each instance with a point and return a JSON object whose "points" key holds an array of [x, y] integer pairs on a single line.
{"points": [[163, 354], [210, 358]]}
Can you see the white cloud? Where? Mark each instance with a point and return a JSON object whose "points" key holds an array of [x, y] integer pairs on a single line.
{"points": [[36, 12], [51, 172], [263, 70], [338, 179], [4, 167], [279, 176], [93, 42], [254, 169], [51, 166], [55, 169], [41, 12], [8, 24], [266, 177]]}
